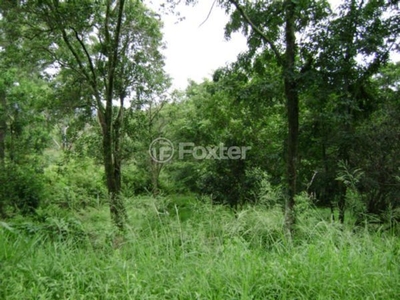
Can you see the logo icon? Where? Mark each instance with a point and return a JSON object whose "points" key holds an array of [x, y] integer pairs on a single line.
{"points": [[161, 150]]}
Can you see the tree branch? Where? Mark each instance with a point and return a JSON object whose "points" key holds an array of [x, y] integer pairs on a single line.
{"points": [[75, 54], [209, 13], [87, 57], [258, 31]]}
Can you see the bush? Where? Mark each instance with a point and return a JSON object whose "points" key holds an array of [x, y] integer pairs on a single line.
{"points": [[21, 189], [75, 184], [53, 229], [135, 181], [264, 192], [259, 227]]}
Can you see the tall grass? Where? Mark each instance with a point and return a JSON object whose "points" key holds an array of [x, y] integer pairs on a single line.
{"points": [[182, 249]]}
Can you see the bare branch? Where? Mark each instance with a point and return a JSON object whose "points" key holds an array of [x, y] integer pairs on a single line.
{"points": [[209, 13]]}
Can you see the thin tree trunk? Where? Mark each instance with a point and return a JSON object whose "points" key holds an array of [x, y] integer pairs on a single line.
{"points": [[3, 126], [342, 201], [292, 105], [328, 183], [154, 178], [119, 202]]}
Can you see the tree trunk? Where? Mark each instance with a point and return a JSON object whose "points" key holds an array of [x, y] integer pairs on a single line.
{"points": [[292, 98], [292, 105], [112, 159], [3, 126], [154, 178], [329, 185], [112, 167], [342, 201]]}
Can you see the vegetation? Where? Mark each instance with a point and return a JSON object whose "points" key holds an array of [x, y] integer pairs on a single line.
{"points": [[171, 251], [277, 179]]}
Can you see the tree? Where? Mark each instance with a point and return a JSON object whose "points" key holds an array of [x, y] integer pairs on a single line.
{"points": [[23, 124], [112, 47], [378, 144], [145, 125], [351, 49], [323, 48], [273, 28]]}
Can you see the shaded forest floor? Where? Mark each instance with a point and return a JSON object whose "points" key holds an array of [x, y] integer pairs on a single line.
{"points": [[181, 248]]}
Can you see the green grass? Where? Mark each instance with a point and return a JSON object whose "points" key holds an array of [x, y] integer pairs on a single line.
{"points": [[202, 252]]}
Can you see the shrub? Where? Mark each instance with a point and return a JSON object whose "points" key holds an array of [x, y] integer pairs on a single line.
{"points": [[135, 180], [21, 188], [75, 183], [265, 193]]}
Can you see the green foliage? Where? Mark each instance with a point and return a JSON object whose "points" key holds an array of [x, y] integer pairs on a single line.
{"points": [[260, 228], [57, 241], [65, 230], [349, 177], [75, 183], [265, 193], [135, 181], [21, 188], [225, 182], [211, 255], [304, 205], [26, 130], [226, 113]]}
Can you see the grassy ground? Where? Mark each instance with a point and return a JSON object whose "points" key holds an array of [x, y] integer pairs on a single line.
{"points": [[181, 249]]}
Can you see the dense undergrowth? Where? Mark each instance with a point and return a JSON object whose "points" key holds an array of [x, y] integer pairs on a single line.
{"points": [[179, 248]]}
